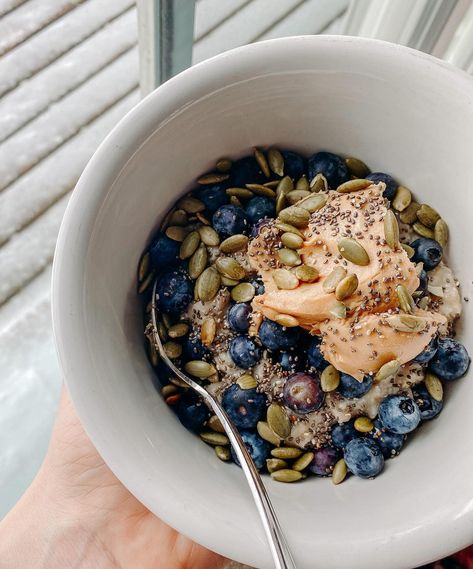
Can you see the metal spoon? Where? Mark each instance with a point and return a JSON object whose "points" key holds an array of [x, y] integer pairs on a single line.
{"points": [[277, 542]]}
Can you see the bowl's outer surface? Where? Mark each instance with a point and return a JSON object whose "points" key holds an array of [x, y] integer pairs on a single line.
{"points": [[400, 111]]}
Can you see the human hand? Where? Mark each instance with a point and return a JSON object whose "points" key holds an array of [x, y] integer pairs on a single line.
{"points": [[78, 515]]}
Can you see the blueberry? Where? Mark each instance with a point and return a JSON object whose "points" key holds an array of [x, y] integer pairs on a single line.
{"points": [[239, 317], [451, 360], [244, 352], [164, 251], [258, 284], [229, 220], [302, 393], [427, 251], [175, 291], [391, 184], [245, 407], [389, 443], [324, 460], [364, 458], [331, 166], [289, 360], [351, 388], [193, 349], [192, 413], [428, 406], [314, 354], [276, 337], [428, 353], [423, 281], [213, 196], [257, 227], [294, 164], [343, 433], [246, 171], [257, 447], [161, 376], [260, 207], [399, 414]]}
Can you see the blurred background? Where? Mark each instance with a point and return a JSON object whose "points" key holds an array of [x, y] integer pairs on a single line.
{"points": [[69, 70]]}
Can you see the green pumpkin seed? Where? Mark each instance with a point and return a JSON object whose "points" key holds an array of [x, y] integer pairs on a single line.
{"points": [[319, 184], [391, 230], [143, 267], [423, 230], [406, 323], [273, 184], [286, 475], [235, 201], [346, 287], [402, 199], [262, 162], [306, 274], [173, 350], [276, 161], [286, 453], [303, 462], [208, 284], [212, 178], [441, 233], [285, 186], [198, 262], [146, 283], [333, 279], [189, 245], [338, 310], [424, 303], [230, 268], [356, 167], [168, 390], [406, 302], [229, 282], [223, 164], [434, 386], [354, 186], [387, 370], [289, 257], [351, 250], [240, 193], [162, 331], [409, 215], [153, 355], [295, 196], [408, 249], [314, 202], [427, 215], [297, 216], [281, 203], [178, 382], [302, 183], [176, 232], [178, 330], [223, 453], [243, 292], [208, 330], [339, 471], [363, 424], [419, 268], [234, 243], [200, 369], [278, 421], [292, 241], [286, 320], [190, 204], [214, 439], [261, 190], [435, 290], [167, 320], [215, 424], [285, 280], [178, 217], [201, 217], [273, 464], [287, 228], [209, 236], [329, 379], [247, 381], [266, 433]]}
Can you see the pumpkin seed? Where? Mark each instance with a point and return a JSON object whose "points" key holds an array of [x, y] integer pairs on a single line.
{"points": [[223, 164], [387, 370], [319, 184], [229, 282], [199, 369], [338, 310], [423, 230], [339, 471], [276, 161], [209, 236], [198, 262], [178, 217], [190, 204], [391, 230], [427, 215], [408, 249], [424, 303], [333, 279], [262, 162], [356, 167], [167, 320], [178, 330], [363, 424], [281, 203], [243, 292], [278, 421], [286, 320], [168, 390], [354, 186], [178, 382], [286, 475], [435, 290], [208, 330], [214, 439], [212, 178], [162, 331], [302, 183], [285, 280], [406, 323], [201, 217], [306, 274], [419, 268], [292, 241], [434, 386], [297, 216], [289, 257], [143, 267], [329, 378], [287, 228], [246, 381], [295, 196], [402, 199], [266, 433], [273, 184], [189, 245], [215, 424], [441, 233], [146, 283], [314, 202], [234, 243], [409, 215], [207, 284], [346, 287], [230, 268], [261, 190], [285, 186], [351, 250], [173, 350], [273, 464], [177, 233], [223, 453], [303, 462], [240, 193], [286, 453], [235, 201], [406, 302]]}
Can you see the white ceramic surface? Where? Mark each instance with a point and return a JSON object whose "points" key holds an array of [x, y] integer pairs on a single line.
{"points": [[401, 111]]}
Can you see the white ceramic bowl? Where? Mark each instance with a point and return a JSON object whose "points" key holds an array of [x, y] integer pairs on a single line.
{"points": [[399, 110]]}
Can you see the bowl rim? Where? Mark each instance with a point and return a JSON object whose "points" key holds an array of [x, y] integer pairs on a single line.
{"points": [[83, 207]]}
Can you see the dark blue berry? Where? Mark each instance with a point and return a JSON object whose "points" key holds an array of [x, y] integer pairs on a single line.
{"points": [[331, 166], [351, 388], [276, 337], [343, 433], [364, 458], [212, 197], [239, 317], [423, 281], [164, 252], [302, 393], [289, 360], [161, 376], [258, 284], [260, 207], [244, 352], [175, 291], [193, 349], [427, 251], [245, 407], [294, 164], [314, 354], [428, 406], [229, 220], [246, 171], [451, 360], [391, 184], [399, 414], [429, 352], [324, 460], [192, 413], [389, 443], [257, 447]]}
